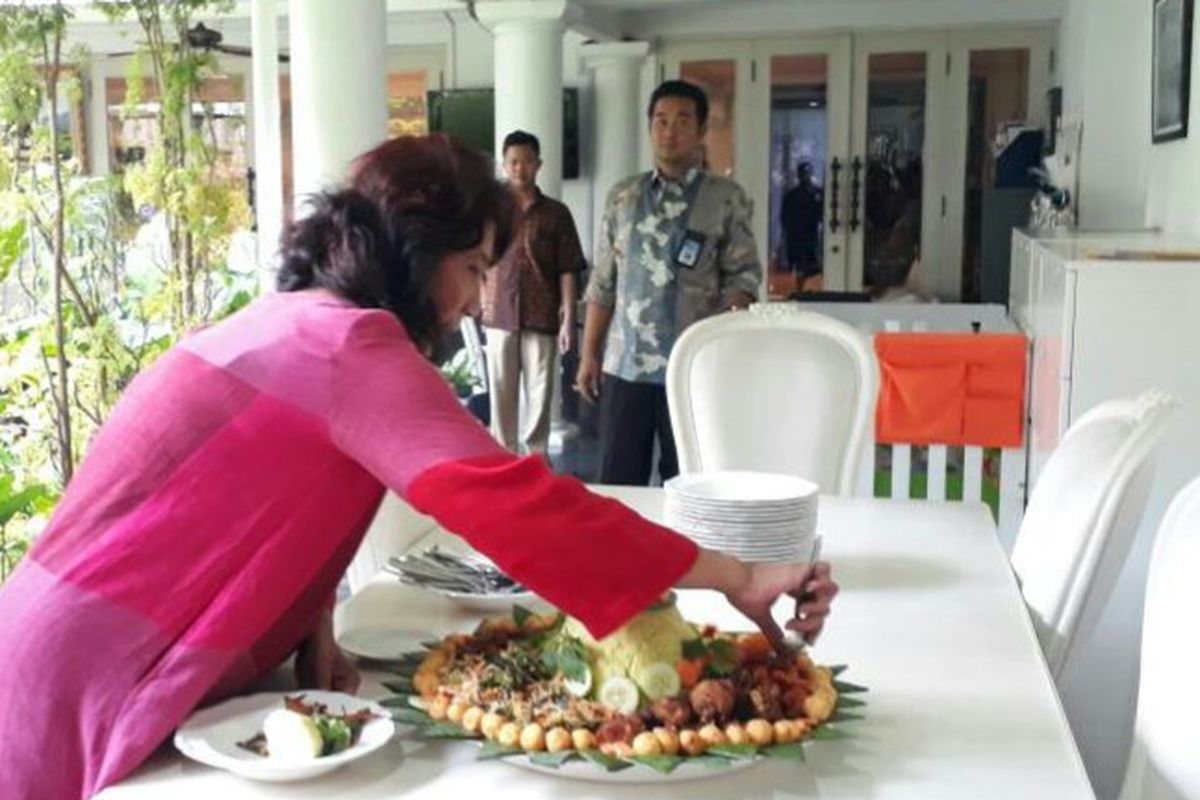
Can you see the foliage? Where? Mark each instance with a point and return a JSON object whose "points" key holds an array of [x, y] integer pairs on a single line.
{"points": [[17, 502], [98, 275], [459, 372], [180, 175]]}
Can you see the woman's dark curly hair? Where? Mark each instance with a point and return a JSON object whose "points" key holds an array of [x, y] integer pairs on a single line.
{"points": [[378, 242]]}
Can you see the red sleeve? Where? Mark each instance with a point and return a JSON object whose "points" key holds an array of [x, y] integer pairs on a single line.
{"points": [[590, 556]]}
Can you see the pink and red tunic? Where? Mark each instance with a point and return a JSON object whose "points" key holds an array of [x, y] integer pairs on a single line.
{"points": [[220, 504]]}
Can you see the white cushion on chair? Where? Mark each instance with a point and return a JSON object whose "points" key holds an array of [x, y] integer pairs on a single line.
{"points": [[773, 389], [1082, 517], [1164, 764]]}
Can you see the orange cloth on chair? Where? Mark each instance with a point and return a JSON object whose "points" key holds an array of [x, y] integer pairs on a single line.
{"points": [[951, 388]]}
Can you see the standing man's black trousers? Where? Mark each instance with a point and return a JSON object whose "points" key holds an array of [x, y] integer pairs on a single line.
{"points": [[631, 416]]}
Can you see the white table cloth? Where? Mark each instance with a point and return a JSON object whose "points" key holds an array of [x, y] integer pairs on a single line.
{"points": [[930, 618]]}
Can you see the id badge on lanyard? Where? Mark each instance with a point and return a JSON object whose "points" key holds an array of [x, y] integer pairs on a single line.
{"points": [[691, 243], [687, 255]]}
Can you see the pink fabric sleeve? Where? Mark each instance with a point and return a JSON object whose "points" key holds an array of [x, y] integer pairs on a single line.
{"points": [[394, 414]]}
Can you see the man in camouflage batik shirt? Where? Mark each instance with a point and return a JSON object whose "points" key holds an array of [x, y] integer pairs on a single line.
{"points": [[674, 246]]}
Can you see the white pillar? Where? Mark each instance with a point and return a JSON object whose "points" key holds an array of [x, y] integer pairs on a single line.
{"points": [[268, 144], [528, 77], [620, 113], [339, 87]]}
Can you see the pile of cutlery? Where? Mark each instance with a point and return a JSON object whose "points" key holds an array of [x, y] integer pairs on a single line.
{"points": [[444, 571]]}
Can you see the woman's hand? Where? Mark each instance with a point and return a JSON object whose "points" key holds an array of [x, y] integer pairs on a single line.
{"points": [[754, 588], [813, 589], [321, 664]]}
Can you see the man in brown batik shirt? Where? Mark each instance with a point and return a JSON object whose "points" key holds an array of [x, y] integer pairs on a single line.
{"points": [[529, 303]]}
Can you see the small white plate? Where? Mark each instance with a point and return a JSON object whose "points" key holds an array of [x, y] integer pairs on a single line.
{"points": [[210, 736], [378, 644], [740, 486]]}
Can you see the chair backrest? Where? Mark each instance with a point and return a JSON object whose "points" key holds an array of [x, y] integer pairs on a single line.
{"points": [[1081, 520], [775, 389], [1163, 763]]}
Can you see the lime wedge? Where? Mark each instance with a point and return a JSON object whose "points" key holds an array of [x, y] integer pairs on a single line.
{"points": [[620, 694], [581, 686], [658, 680]]}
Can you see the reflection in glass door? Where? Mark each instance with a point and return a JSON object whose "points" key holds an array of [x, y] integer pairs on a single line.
{"points": [[718, 79], [799, 150], [887, 190], [997, 108]]}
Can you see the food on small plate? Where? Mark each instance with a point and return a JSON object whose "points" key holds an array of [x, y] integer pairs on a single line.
{"points": [[658, 691], [302, 731]]}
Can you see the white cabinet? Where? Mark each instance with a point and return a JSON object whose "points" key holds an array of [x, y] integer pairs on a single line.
{"points": [[1106, 320]]}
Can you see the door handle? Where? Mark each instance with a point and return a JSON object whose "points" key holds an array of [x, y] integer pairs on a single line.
{"points": [[835, 192], [856, 167]]}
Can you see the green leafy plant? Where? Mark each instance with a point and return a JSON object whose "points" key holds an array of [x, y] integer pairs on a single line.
{"points": [[459, 372], [17, 502], [88, 303], [180, 176]]}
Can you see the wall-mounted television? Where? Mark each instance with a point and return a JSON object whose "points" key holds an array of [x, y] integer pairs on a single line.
{"points": [[470, 115]]}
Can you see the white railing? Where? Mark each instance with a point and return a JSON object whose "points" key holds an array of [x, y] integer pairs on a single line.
{"points": [[941, 462]]}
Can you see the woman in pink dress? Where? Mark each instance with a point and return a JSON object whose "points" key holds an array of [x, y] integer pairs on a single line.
{"points": [[201, 542]]}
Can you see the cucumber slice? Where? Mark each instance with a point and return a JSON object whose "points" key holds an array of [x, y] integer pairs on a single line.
{"points": [[580, 687], [658, 680], [620, 694]]}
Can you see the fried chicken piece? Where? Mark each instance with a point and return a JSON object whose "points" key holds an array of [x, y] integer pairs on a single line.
{"points": [[712, 700], [672, 712], [619, 729], [766, 700]]}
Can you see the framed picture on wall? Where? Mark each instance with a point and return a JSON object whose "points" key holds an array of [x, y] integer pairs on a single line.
{"points": [[1172, 65]]}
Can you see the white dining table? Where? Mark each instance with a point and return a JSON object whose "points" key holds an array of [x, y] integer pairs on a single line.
{"points": [[930, 618]]}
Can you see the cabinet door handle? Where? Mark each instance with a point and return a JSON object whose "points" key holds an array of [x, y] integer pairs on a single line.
{"points": [[835, 193], [856, 168]]}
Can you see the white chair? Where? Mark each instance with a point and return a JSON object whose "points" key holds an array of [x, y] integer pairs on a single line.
{"points": [[775, 389], [1163, 763], [1082, 517]]}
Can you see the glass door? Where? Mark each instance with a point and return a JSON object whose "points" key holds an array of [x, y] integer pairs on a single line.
{"points": [[998, 103], [779, 125], [891, 136], [803, 95], [895, 208], [722, 70]]}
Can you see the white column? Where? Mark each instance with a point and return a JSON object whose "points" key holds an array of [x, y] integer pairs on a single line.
{"points": [[339, 87], [99, 70], [620, 113], [528, 77], [268, 144]]}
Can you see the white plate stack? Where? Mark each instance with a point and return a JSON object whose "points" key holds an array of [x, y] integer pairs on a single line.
{"points": [[755, 516]]}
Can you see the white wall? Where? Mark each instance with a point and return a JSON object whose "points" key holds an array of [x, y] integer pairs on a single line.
{"points": [[1105, 50], [1173, 171]]}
